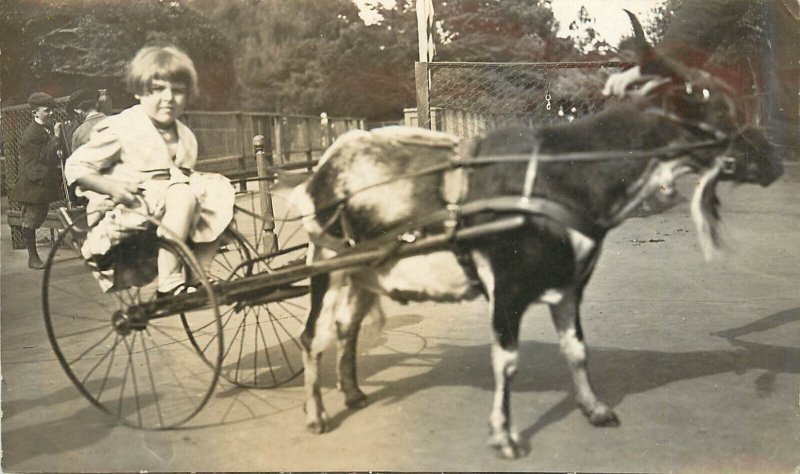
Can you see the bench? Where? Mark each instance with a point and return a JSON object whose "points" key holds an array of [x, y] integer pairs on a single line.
{"points": [[51, 222]]}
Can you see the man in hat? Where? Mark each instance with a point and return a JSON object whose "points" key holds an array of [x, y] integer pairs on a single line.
{"points": [[85, 103], [39, 181], [77, 105], [89, 110]]}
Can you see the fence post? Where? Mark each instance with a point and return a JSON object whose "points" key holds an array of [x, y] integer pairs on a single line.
{"points": [[243, 140], [265, 194], [422, 80], [309, 140], [277, 143], [324, 127]]}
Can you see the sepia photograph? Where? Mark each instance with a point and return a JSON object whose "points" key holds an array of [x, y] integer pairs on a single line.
{"points": [[400, 236]]}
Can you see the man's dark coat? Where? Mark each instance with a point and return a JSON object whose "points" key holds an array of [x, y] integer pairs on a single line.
{"points": [[39, 179]]}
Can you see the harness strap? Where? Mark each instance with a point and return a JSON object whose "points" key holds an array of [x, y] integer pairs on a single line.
{"points": [[701, 128], [667, 151], [572, 218], [530, 175]]}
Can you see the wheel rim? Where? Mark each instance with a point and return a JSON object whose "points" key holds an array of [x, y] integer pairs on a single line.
{"points": [[145, 373], [262, 346]]}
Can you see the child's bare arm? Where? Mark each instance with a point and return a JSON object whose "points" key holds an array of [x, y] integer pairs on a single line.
{"points": [[119, 191]]}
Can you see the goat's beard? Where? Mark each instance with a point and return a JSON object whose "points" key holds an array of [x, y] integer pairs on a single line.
{"points": [[705, 213]]}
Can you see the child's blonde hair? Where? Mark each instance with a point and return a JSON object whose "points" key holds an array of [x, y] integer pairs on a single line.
{"points": [[167, 63]]}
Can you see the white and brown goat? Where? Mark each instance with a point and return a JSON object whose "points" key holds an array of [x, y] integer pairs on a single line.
{"points": [[368, 184]]}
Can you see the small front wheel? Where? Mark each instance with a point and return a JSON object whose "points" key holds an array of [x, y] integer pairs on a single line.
{"points": [[262, 347]]}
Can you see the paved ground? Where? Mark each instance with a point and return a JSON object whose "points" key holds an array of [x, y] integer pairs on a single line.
{"points": [[700, 361]]}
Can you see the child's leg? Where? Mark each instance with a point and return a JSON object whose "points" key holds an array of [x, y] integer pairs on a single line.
{"points": [[205, 252], [179, 213]]}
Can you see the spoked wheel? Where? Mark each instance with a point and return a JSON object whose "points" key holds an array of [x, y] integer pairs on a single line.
{"points": [[125, 350], [263, 349]]}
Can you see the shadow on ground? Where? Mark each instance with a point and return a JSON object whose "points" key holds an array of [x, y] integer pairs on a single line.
{"points": [[617, 372]]}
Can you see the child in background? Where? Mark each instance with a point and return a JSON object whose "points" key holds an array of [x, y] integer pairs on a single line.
{"points": [[141, 161]]}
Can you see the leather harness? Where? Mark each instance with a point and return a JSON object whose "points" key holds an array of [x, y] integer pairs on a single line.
{"points": [[455, 185]]}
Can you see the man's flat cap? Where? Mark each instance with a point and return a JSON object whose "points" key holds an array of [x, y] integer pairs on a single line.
{"points": [[77, 98], [40, 99]]}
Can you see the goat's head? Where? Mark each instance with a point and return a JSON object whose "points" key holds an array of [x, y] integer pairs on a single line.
{"points": [[704, 106]]}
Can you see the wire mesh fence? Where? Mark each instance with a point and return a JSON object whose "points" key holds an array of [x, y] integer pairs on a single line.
{"points": [[469, 99]]}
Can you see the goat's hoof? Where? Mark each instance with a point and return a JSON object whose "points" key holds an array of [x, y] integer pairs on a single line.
{"points": [[356, 402], [317, 426], [602, 415], [505, 446]]}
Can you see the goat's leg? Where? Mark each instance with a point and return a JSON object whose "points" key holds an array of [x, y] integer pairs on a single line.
{"points": [[566, 317], [326, 291], [507, 312], [348, 324]]}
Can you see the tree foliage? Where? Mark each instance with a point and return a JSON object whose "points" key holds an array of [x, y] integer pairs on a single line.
{"points": [[500, 31], [310, 56], [297, 56], [59, 46], [586, 38]]}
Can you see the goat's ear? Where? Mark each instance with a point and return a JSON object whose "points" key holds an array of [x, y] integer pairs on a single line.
{"points": [[650, 61]]}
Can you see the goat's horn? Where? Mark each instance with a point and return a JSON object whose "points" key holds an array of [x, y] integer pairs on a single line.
{"points": [[644, 50]]}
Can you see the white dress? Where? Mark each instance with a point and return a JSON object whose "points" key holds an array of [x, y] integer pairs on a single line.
{"points": [[127, 147]]}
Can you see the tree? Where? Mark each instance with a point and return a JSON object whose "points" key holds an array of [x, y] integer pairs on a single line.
{"points": [[62, 45], [499, 31], [586, 38], [310, 56]]}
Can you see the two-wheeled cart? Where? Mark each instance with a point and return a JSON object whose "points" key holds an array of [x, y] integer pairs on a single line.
{"points": [[135, 356]]}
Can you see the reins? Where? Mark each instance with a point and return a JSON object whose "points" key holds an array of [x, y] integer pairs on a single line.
{"points": [[450, 216], [584, 156], [460, 162]]}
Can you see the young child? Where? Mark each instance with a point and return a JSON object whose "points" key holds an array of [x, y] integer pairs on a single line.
{"points": [[140, 161]]}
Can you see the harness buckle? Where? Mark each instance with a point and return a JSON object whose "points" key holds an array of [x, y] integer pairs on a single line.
{"points": [[452, 220], [728, 165]]}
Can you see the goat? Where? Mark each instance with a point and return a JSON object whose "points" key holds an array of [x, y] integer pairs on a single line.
{"points": [[371, 184]]}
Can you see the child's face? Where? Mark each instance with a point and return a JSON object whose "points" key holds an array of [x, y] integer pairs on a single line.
{"points": [[165, 102]]}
